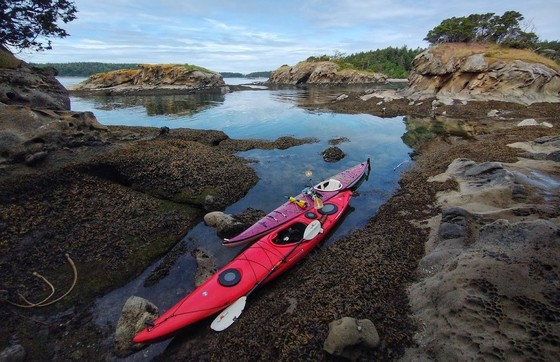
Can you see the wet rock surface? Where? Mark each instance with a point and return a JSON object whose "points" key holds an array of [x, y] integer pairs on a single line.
{"points": [[333, 154], [370, 272], [129, 200], [135, 314]]}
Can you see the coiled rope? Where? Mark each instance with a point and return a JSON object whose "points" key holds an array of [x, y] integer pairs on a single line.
{"points": [[45, 302]]}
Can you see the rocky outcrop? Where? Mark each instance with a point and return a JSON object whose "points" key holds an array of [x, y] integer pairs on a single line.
{"points": [[26, 86], [148, 78], [29, 134], [322, 73], [489, 280], [34, 115], [481, 72]]}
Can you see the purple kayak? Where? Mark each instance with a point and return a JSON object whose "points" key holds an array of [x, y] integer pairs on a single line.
{"points": [[302, 203]]}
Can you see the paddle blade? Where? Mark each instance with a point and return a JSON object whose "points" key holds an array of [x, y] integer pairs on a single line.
{"points": [[312, 230], [229, 315]]}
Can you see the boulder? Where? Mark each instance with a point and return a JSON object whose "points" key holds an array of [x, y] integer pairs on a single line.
{"points": [[226, 225], [347, 333], [136, 312]]}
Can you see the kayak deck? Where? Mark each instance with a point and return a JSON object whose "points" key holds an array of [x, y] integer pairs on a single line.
{"points": [[246, 270], [289, 210]]}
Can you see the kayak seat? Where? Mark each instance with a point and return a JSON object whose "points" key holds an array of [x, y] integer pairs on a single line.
{"points": [[291, 234]]}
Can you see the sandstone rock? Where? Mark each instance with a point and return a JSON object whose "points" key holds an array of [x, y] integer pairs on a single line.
{"points": [[553, 156], [27, 134], [462, 71], [477, 299], [136, 312], [485, 298], [322, 73], [169, 77], [387, 95], [474, 64], [25, 86], [454, 223], [347, 333]]}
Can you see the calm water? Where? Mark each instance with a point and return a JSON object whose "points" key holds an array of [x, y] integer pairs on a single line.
{"points": [[268, 115]]}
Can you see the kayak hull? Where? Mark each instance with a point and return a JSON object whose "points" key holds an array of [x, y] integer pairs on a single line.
{"points": [[251, 267], [289, 210]]}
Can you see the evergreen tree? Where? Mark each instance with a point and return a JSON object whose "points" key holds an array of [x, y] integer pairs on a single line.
{"points": [[505, 30], [25, 24]]}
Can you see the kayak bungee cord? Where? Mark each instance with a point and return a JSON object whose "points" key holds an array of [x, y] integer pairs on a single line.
{"points": [[44, 302]]}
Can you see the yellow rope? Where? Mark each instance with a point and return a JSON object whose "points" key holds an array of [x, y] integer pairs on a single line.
{"points": [[44, 303]]}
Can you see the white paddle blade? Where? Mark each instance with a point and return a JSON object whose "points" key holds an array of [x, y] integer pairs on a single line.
{"points": [[312, 230], [229, 315]]}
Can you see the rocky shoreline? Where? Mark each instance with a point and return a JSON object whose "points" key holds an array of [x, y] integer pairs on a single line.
{"points": [[387, 271], [461, 263], [112, 205], [368, 274]]}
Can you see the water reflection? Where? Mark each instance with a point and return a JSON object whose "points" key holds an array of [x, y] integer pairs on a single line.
{"points": [[180, 105], [420, 129]]}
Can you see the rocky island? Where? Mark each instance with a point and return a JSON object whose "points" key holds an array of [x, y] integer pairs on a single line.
{"points": [[322, 73], [461, 263], [154, 79]]}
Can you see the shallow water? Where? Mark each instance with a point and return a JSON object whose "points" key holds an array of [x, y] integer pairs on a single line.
{"points": [[264, 114]]}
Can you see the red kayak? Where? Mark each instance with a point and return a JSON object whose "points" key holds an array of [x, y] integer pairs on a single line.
{"points": [[302, 203], [261, 262]]}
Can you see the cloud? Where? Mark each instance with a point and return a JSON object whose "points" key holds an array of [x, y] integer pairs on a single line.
{"points": [[255, 35]]}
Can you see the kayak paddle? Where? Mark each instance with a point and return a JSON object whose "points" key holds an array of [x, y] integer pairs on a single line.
{"points": [[232, 313]]}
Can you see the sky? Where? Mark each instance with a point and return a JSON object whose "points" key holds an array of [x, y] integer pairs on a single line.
{"points": [[250, 35]]}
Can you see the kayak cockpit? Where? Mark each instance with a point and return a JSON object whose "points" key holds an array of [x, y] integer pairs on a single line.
{"points": [[291, 234]]}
